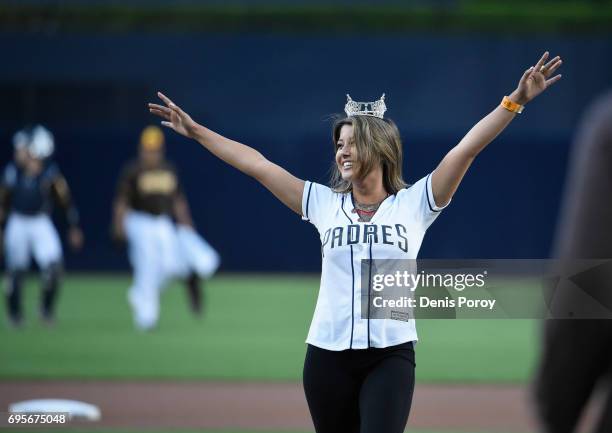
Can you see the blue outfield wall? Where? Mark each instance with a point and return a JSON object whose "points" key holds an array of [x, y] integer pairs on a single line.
{"points": [[276, 92]]}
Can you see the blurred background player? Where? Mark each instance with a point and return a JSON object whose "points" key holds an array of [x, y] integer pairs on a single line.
{"points": [[149, 197], [576, 358], [31, 184]]}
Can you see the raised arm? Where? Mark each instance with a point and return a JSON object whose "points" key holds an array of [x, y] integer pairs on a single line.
{"points": [[447, 176], [286, 187]]}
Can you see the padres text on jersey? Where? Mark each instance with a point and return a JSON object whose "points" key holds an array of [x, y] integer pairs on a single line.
{"points": [[395, 232]]}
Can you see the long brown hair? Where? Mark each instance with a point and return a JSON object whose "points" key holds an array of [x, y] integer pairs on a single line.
{"points": [[377, 142]]}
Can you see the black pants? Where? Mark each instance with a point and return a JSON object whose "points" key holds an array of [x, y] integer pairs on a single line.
{"points": [[360, 391]]}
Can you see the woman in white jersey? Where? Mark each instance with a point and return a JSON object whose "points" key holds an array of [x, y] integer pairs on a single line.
{"points": [[359, 373]]}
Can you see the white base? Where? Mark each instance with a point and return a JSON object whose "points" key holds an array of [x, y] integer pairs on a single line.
{"points": [[74, 409]]}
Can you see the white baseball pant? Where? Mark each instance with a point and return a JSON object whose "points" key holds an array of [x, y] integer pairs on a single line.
{"points": [[158, 252], [31, 236]]}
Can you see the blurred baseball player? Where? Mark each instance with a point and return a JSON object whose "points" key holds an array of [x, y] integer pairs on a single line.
{"points": [[576, 357], [30, 185], [149, 197]]}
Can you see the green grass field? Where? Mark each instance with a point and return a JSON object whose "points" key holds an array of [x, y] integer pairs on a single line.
{"points": [[254, 328]]}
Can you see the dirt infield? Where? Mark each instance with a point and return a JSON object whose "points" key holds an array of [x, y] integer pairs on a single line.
{"points": [[270, 406]]}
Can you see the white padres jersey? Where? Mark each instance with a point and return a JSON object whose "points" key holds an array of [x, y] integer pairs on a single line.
{"points": [[395, 232]]}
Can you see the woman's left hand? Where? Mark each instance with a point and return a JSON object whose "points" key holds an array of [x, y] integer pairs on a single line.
{"points": [[536, 79]]}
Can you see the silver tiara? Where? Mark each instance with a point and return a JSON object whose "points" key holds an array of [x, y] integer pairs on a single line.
{"points": [[376, 108]]}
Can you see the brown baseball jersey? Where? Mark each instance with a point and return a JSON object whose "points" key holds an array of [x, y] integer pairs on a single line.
{"points": [[150, 189]]}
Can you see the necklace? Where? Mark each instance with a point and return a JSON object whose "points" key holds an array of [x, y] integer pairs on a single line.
{"points": [[366, 211], [367, 207]]}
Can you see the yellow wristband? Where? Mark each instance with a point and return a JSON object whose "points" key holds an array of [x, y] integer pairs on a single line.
{"points": [[511, 105]]}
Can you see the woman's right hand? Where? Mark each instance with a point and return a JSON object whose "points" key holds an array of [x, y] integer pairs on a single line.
{"points": [[174, 117]]}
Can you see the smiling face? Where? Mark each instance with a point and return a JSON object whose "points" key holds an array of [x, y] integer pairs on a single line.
{"points": [[366, 146], [346, 154]]}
